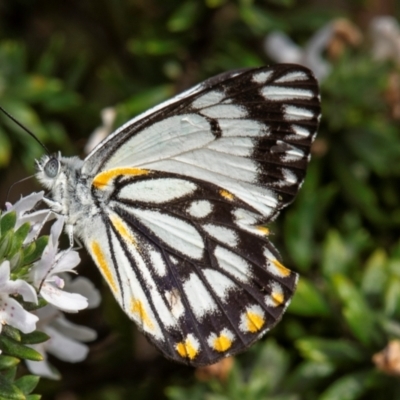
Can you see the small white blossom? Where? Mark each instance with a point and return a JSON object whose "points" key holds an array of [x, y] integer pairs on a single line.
{"points": [[282, 49], [23, 209], [64, 343], [108, 115], [11, 311], [385, 35], [45, 273]]}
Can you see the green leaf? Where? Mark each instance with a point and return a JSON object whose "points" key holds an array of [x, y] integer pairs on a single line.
{"points": [[8, 391], [184, 17], [308, 301], [5, 149], [357, 313], [349, 387], [336, 255], [375, 273], [35, 254], [12, 332], [7, 222], [32, 306], [18, 238], [392, 297], [7, 362], [10, 373], [308, 375], [5, 244], [34, 337], [13, 348], [33, 397], [335, 352], [27, 383]]}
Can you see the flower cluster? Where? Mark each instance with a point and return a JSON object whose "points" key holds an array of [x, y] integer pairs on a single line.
{"points": [[34, 273]]}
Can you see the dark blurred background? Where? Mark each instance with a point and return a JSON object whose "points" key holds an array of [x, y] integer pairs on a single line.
{"points": [[62, 63]]}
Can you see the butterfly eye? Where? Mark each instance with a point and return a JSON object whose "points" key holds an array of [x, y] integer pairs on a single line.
{"points": [[51, 168]]}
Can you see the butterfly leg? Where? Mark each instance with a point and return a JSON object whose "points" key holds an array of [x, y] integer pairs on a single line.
{"points": [[55, 206]]}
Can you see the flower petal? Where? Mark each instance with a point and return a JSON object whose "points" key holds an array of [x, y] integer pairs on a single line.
{"points": [[4, 274], [12, 313], [64, 348], [23, 288], [36, 220], [66, 261], [42, 368], [70, 302], [84, 287], [26, 203], [74, 331]]}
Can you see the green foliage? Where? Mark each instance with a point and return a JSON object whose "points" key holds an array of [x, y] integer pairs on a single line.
{"points": [[341, 233]]}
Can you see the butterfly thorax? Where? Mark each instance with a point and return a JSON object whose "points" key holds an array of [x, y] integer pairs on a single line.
{"points": [[70, 192]]}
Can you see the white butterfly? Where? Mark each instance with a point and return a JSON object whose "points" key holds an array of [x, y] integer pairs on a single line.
{"points": [[173, 205]]}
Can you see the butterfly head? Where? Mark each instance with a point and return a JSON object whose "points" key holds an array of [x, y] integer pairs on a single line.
{"points": [[48, 169]]}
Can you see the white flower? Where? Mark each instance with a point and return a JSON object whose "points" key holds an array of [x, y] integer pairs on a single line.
{"points": [[281, 48], [108, 115], [385, 35], [11, 312], [36, 218], [44, 273], [64, 343]]}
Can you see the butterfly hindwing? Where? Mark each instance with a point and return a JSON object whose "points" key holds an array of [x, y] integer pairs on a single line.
{"points": [[198, 280], [184, 191]]}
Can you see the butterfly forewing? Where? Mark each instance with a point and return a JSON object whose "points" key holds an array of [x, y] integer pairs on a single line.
{"points": [[185, 192]]}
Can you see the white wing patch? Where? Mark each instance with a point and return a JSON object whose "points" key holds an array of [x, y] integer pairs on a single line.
{"points": [[221, 233], [199, 297], [233, 264], [157, 190], [292, 76], [224, 111], [200, 208], [208, 99], [262, 77], [175, 232], [278, 93], [219, 283], [163, 140], [293, 113], [158, 263], [242, 128]]}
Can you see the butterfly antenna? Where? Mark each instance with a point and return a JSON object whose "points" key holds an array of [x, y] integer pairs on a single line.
{"points": [[15, 183], [24, 128]]}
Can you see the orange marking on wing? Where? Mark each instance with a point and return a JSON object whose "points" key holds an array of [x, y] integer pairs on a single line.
{"points": [[281, 268], [227, 195], [122, 229], [137, 308], [102, 179], [222, 343], [255, 321], [187, 349], [102, 264]]}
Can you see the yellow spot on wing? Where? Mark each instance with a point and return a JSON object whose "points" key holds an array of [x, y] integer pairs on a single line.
{"points": [[187, 349], [278, 298], [102, 179], [102, 264], [122, 229], [255, 321], [283, 271], [263, 229], [226, 194], [222, 343], [138, 309]]}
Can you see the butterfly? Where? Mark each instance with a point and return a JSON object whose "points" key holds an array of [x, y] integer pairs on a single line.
{"points": [[173, 208]]}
